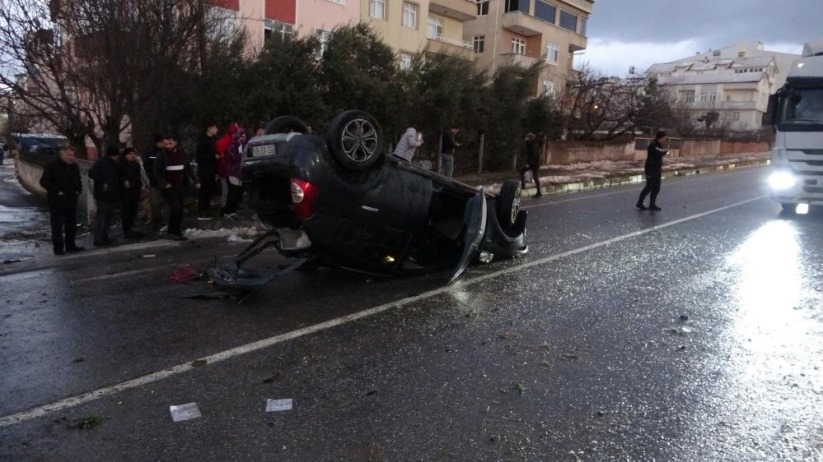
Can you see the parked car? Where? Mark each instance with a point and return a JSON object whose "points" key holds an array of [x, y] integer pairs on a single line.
{"points": [[339, 200]]}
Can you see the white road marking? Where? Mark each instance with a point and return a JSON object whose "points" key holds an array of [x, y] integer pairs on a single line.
{"points": [[77, 400]]}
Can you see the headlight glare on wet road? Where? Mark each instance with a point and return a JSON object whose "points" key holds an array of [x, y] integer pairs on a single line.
{"points": [[782, 180]]}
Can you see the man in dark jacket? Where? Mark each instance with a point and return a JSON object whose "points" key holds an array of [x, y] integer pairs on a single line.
{"points": [[131, 183], [447, 151], [654, 171], [61, 180], [173, 173], [106, 176], [532, 163], [156, 201], [206, 156]]}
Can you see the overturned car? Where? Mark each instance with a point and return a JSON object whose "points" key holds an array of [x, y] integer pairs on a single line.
{"points": [[337, 200]]}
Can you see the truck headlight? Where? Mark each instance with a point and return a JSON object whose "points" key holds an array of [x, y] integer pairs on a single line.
{"points": [[782, 180]]}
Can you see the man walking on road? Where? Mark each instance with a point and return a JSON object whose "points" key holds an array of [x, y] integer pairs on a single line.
{"points": [[61, 180], [654, 172], [532, 163]]}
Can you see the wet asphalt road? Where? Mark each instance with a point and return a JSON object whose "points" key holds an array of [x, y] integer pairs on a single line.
{"points": [[692, 334]]}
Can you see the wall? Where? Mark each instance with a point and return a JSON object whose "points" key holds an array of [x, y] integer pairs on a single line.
{"points": [[572, 153], [562, 153]]}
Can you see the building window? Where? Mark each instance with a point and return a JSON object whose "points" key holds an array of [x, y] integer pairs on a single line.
{"points": [[223, 19], [716, 53], [435, 28], [736, 116], [517, 5], [276, 28], [687, 96], [548, 88], [323, 37], [545, 11], [582, 30], [479, 43], [552, 52], [568, 21], [410, 15], [406, 61], [518, 46], [482, 7], [377, 9]]}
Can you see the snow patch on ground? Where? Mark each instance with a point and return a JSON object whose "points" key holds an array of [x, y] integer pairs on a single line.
{"points": [[239, 234]]}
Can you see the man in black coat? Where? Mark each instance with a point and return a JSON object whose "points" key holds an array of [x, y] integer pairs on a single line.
{"points": [[156, 200], [532, 163], [61, 180], [654, 172], [106, 176], [131, 183], [206, 156]]}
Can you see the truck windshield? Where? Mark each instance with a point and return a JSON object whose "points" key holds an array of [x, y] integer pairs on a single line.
{"points": [[803, 110]]}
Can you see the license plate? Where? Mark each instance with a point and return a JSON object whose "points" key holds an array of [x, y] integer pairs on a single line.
{"points": [[262, 151]]}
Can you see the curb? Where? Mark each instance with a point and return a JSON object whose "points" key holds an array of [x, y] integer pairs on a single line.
{"points": [[633, 178]]}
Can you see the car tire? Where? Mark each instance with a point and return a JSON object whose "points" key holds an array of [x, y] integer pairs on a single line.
{"points": [[508, 203], [787, 207], [355, 139], [286, 124]]}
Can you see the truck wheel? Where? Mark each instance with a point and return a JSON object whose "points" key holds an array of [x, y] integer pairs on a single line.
{"points": [[508, 203], [286, 124], [355, 139], [787, 207]]}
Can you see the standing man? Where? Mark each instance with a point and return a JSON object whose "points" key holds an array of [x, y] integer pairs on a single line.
{"points": [[532, 163], [156, 201], [206, 169], [61, 180], [173, 173], [106, 175], [447, 152], [654, 172]]}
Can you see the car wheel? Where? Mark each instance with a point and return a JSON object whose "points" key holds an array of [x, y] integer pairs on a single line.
{"points": [[788, 207], [508, 203], [355, 139], [286, 124]]}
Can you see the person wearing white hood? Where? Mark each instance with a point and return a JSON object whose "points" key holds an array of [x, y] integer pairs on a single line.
{"points": [[410, 141]]}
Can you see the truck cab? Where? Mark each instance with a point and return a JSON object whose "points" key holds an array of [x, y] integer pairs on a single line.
{"points": [[796, 113]]}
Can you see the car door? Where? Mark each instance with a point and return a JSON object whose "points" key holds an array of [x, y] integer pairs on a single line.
{"points": [[474, 218]]}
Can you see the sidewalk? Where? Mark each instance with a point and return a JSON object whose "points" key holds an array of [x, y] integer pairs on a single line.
{"points": [[558, 179]]}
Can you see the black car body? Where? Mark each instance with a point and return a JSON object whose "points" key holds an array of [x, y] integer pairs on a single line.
{"points": [[337, 200]]}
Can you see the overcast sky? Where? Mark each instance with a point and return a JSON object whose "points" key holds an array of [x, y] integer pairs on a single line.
{"points": [[639, 33]]}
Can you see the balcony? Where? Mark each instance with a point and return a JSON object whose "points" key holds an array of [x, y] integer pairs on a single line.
{"points": [[513, 59], [523, 24], [443, 45], [461, 10]]}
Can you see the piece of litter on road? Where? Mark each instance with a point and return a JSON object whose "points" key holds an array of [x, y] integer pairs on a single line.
{"points": [[185, 412], [149, 256], [277, 405]]}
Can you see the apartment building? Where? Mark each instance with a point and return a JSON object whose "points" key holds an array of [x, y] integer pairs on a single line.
{"points": [[523, 32], [735, 82], [412, 26]]}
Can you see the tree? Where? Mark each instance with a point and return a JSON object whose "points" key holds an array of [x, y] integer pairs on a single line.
{"points": [[510, 90], [655, 107], [91, 68], [709, 119], [359, 71], [282, 81]]}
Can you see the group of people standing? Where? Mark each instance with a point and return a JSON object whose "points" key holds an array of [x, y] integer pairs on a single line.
{"points": [[412, 139], [161, 177]]}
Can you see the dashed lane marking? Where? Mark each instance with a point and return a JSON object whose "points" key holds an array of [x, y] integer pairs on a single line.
{"points": [[77, 400]]}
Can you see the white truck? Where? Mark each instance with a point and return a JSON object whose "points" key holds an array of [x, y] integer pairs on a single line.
{"points": [[796, 113]]}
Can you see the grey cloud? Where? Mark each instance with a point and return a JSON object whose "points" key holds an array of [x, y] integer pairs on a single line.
{"points": [[710, 23]]}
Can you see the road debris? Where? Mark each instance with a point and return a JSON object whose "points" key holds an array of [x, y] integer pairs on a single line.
{"points": [[186, 411], [278, 405]]}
